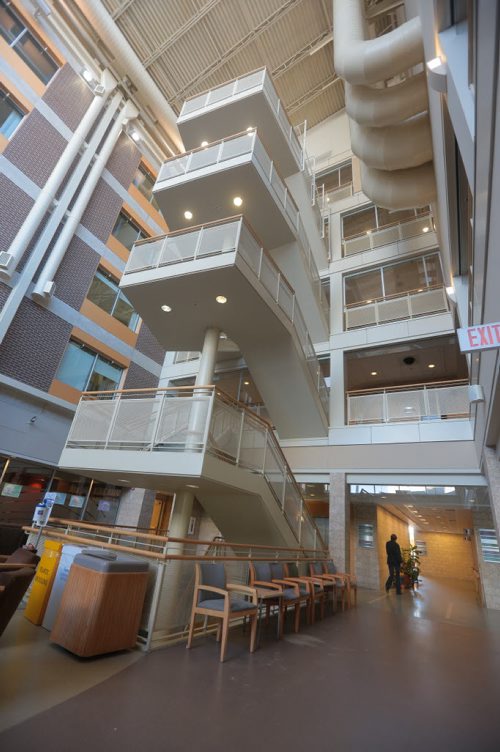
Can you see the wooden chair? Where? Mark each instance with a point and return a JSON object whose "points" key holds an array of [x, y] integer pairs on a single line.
{"points": [[212, 598], [350, 581], [333, 585], [312, 587], [261, 577]]}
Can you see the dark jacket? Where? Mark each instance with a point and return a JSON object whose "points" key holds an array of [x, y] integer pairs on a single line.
{"points": [[393, 552]]}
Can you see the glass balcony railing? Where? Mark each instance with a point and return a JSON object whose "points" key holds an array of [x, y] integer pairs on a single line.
{"points": [[419, 402], [193, 419], [221, 95], [238, 145], [379, 236], [231, 235], [408, 305]]}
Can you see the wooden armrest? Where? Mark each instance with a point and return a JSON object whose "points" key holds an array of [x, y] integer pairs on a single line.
{"points": [[8, 566], [212, 589], [268, 585], [234, 587], [287, 583]]}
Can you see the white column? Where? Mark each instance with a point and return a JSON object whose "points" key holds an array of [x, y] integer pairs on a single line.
{"points": [[45, 286], [10, 259], [208, 357]]}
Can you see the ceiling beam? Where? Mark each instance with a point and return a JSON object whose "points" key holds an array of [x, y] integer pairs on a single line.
{"points": [[178, 33], [312, 94], [301, 54], [377, 8], [250, 37], [121, 9]]}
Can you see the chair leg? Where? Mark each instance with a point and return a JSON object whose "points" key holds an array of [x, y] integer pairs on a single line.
{"points": [[322, 606], [191, 631], [253, 633], [297, 617], [223, 645], [219, 631], [282, 610], [312, 610]]}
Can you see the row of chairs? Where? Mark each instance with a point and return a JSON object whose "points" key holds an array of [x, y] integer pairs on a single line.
{"points": [[272, 585]]}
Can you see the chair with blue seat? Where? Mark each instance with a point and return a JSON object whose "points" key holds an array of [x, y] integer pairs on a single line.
{"points": [[212, 597], [349, 581], [313, 587], [288, 593], [332, 584]]}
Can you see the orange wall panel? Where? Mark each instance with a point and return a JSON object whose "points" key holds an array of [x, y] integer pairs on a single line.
{"points": [[112, 325]]}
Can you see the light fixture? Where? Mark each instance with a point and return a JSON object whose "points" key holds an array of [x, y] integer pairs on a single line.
{"points": [[122, 480], [191, 485], [246, 383], [188, 214], [135, 136], [221, 299], [436, 73], [250, 129], [425, 229], [222, 335], [431, 365], [374, 373], [87, 75], [166, 308], [237, 201], [204, 143]]}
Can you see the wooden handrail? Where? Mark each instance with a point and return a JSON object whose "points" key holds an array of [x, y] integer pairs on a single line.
{"points": [[407, 387]]}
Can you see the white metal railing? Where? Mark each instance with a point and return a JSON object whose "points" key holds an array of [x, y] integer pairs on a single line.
{"points": [[193, 419], [232, 235], [366, 241], [337, 194], [221, 95], [409, 305], [437, 401]]}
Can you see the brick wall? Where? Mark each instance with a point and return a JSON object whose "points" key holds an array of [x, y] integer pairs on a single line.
{"points": [[68, 96], [124, 160], [34, 345], [35, 147], [448, 555], [76, 272], [149, 345], [102, 211], [14, 207], [139, 378]]}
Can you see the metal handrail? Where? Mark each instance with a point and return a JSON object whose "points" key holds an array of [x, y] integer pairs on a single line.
{"points": [[392, 296], [385, 227], [408, 387]]}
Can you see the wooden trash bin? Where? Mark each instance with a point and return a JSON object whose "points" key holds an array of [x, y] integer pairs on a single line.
{"points": [[101, 605]]}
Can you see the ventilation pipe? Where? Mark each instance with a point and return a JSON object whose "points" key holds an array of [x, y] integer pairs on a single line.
{"points": [[10, 259], [129, 65], [45, 287], [390, 129]]}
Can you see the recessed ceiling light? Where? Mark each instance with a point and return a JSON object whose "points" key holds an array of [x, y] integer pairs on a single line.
{"points": [[237, 201], [425, 229], [122, 480], [188, 215], [191, 485], [204, 143], [250, 128], [374, 373], [246, 383], [221, 299], [431, 365], [222, 335], [166, 308], [88, 75], [135, 136], [327, 200]]}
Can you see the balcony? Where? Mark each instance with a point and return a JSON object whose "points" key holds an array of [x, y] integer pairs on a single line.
{"points": [[366, 241], [409, 305], [420, 402], [162, 438], [188, 270], [249, 101]]}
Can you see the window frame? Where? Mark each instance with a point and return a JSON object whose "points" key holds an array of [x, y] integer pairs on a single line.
{"points": [[6, 95], [141, 233], [419, 211], [27, 31], [142, 168], [96, 356], [119, 295]]}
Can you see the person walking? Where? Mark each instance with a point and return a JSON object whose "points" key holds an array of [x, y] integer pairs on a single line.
{"points": [[394, 561]]}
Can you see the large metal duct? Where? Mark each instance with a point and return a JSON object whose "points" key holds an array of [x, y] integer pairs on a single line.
{"points": [[390, 130]]}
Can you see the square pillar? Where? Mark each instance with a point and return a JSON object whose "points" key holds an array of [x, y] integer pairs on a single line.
{"points": [[339, 523]]}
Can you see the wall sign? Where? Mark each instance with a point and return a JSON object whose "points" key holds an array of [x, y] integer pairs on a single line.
{"points": [[483, 337]]}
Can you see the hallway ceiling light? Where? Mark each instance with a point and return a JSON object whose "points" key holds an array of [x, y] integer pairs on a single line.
{"points": [[166, 308], [122, 480], [374, 373], [425, 229], [87, 75], [191, 485], [221, 299], [431, 365], [246, 383], [237, 201], [135, 136], [204, 143], [222, 335], [188, 214]]}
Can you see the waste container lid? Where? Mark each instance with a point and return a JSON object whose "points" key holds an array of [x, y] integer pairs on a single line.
{"points": [[102, 553], [118, 564]]}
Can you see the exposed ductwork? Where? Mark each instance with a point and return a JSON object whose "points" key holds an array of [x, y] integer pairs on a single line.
{"points": [[390, 129]]}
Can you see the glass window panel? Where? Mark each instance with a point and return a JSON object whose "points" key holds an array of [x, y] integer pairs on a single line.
{"points": [[433, 269], [124, 312], [76, 365], [105, 376], [363, 288], [103, 292], [10, 25], [126, 231], [359, 222], [144, 182], [10, 115], [389, 217], [36, 57], [345, 174], [400, 278]]}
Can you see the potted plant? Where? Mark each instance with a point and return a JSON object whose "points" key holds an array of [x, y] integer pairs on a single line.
{"points": [[410, 568]]}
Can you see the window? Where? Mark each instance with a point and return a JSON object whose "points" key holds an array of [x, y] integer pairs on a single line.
{"points": [[144, 182], [126, 231], [338, 177], [24, 42], [106, 294], [84, 369], [10, 114], [373, 218]]}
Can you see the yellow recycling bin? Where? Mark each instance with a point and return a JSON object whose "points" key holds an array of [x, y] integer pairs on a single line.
{"points": [[42, 583]]}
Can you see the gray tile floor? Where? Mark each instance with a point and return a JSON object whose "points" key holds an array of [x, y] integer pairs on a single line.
{"points": [[420, 671]]}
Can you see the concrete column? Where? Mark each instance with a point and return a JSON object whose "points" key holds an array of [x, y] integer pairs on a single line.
{"points": [[208, 357], [337, 392], [136, 507], [486, 519], [339, 526]]}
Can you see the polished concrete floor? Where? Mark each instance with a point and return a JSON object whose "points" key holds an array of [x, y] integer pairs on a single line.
{"points": [[419, 671]]}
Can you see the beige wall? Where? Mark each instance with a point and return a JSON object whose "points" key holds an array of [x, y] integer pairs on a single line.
{"points": [[387, 524], [448, 555]]}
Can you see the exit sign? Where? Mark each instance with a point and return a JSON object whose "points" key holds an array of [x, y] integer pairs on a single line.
{"points": [[483, 337]]}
